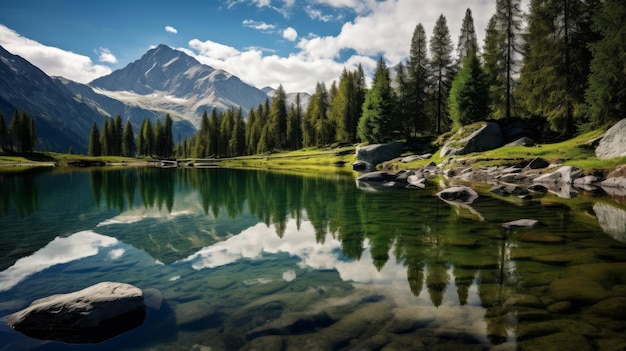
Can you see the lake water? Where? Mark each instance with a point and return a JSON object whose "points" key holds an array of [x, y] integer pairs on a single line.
{"points": [[271, 261]]}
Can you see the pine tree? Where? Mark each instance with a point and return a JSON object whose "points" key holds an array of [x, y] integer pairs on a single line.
{"points": [[252, 132], [468, 100], [468, 43], [116, 136], [168, 137], [606, 94], [418, 81], [556, 65], [226, 129], [376, 123], [442, 69], [403, 96], [236, 144], [128, 140], [202, 137], [318, 125], [105, 138], [214, 134], [345, 107], [503, 37], [4, 132], [278, 118], [294, 124], [95, 146]]}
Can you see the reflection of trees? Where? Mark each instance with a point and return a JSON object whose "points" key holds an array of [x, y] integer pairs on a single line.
{"points": [[19, 190]]}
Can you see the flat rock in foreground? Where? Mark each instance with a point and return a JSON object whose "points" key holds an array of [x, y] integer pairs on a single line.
{"points": [[91, 315]]}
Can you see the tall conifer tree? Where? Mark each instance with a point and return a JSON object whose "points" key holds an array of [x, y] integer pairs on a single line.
{"points": [[442, 69]]}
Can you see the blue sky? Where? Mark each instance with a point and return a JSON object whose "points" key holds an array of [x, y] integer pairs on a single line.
{"points": [[265, 42]]}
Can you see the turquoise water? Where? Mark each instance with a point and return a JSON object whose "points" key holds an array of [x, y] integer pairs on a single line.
{"points": [[260, 260]]}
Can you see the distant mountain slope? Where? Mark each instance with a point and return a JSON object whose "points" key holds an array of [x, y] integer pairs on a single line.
{"points": [[169, 80], [111, 107], [60, 120], [305, 98]]}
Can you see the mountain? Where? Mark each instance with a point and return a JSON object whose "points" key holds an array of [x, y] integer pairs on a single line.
{"points": [[64, 111], [305, 98], [169, 80], [60, 120]]}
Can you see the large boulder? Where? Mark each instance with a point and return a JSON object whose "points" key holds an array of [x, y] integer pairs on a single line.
{"points": [[91, 315], [613, 143], [378, 153], [486, 136]]}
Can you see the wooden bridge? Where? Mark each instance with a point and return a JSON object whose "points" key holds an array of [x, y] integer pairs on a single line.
{"points": [[189, 162]]}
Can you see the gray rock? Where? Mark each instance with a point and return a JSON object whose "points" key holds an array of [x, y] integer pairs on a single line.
{"points": [[415, 181], [537, 163], [377, 177], [378, 153], [461, 194], [563, 175], [410, 158], [523, 141], [522, 223], [91, 315], [488, 137], [362, 166], [613, 143]]}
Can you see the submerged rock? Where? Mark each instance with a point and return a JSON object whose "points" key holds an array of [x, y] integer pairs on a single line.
{"points": [[91, 315], [462, 194], [522, 223]]}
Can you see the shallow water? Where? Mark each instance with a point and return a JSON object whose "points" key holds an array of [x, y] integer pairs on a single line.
{"points": [[254, 259]]}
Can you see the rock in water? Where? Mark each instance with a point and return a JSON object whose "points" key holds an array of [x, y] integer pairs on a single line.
{"points": [[91, 315], [613, 143], [461, 194]]}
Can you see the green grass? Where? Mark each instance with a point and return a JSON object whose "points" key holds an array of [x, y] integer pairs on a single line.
{"points": [[304, 160]]}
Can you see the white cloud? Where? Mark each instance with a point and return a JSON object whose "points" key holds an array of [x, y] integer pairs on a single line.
{"points": [[106, 56], [295, 72], [262, 26], [290, 34], [316, 14], [171, 29], [53, 61]]}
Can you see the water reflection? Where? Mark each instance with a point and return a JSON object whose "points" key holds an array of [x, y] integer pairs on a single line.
{"points": [[440, 265]]}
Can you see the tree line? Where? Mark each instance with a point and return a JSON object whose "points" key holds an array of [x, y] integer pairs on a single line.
{"points": [[20, 136], [151, 141]]}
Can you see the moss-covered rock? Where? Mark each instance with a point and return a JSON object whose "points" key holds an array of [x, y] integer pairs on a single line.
{"points": [[614, 307], [578, 290]]}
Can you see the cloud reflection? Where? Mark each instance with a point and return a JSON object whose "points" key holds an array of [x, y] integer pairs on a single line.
{"points": [[58, 251], [260, 239]]}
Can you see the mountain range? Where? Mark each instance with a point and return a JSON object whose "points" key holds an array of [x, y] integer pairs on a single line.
{"points": [[162, 81]]}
